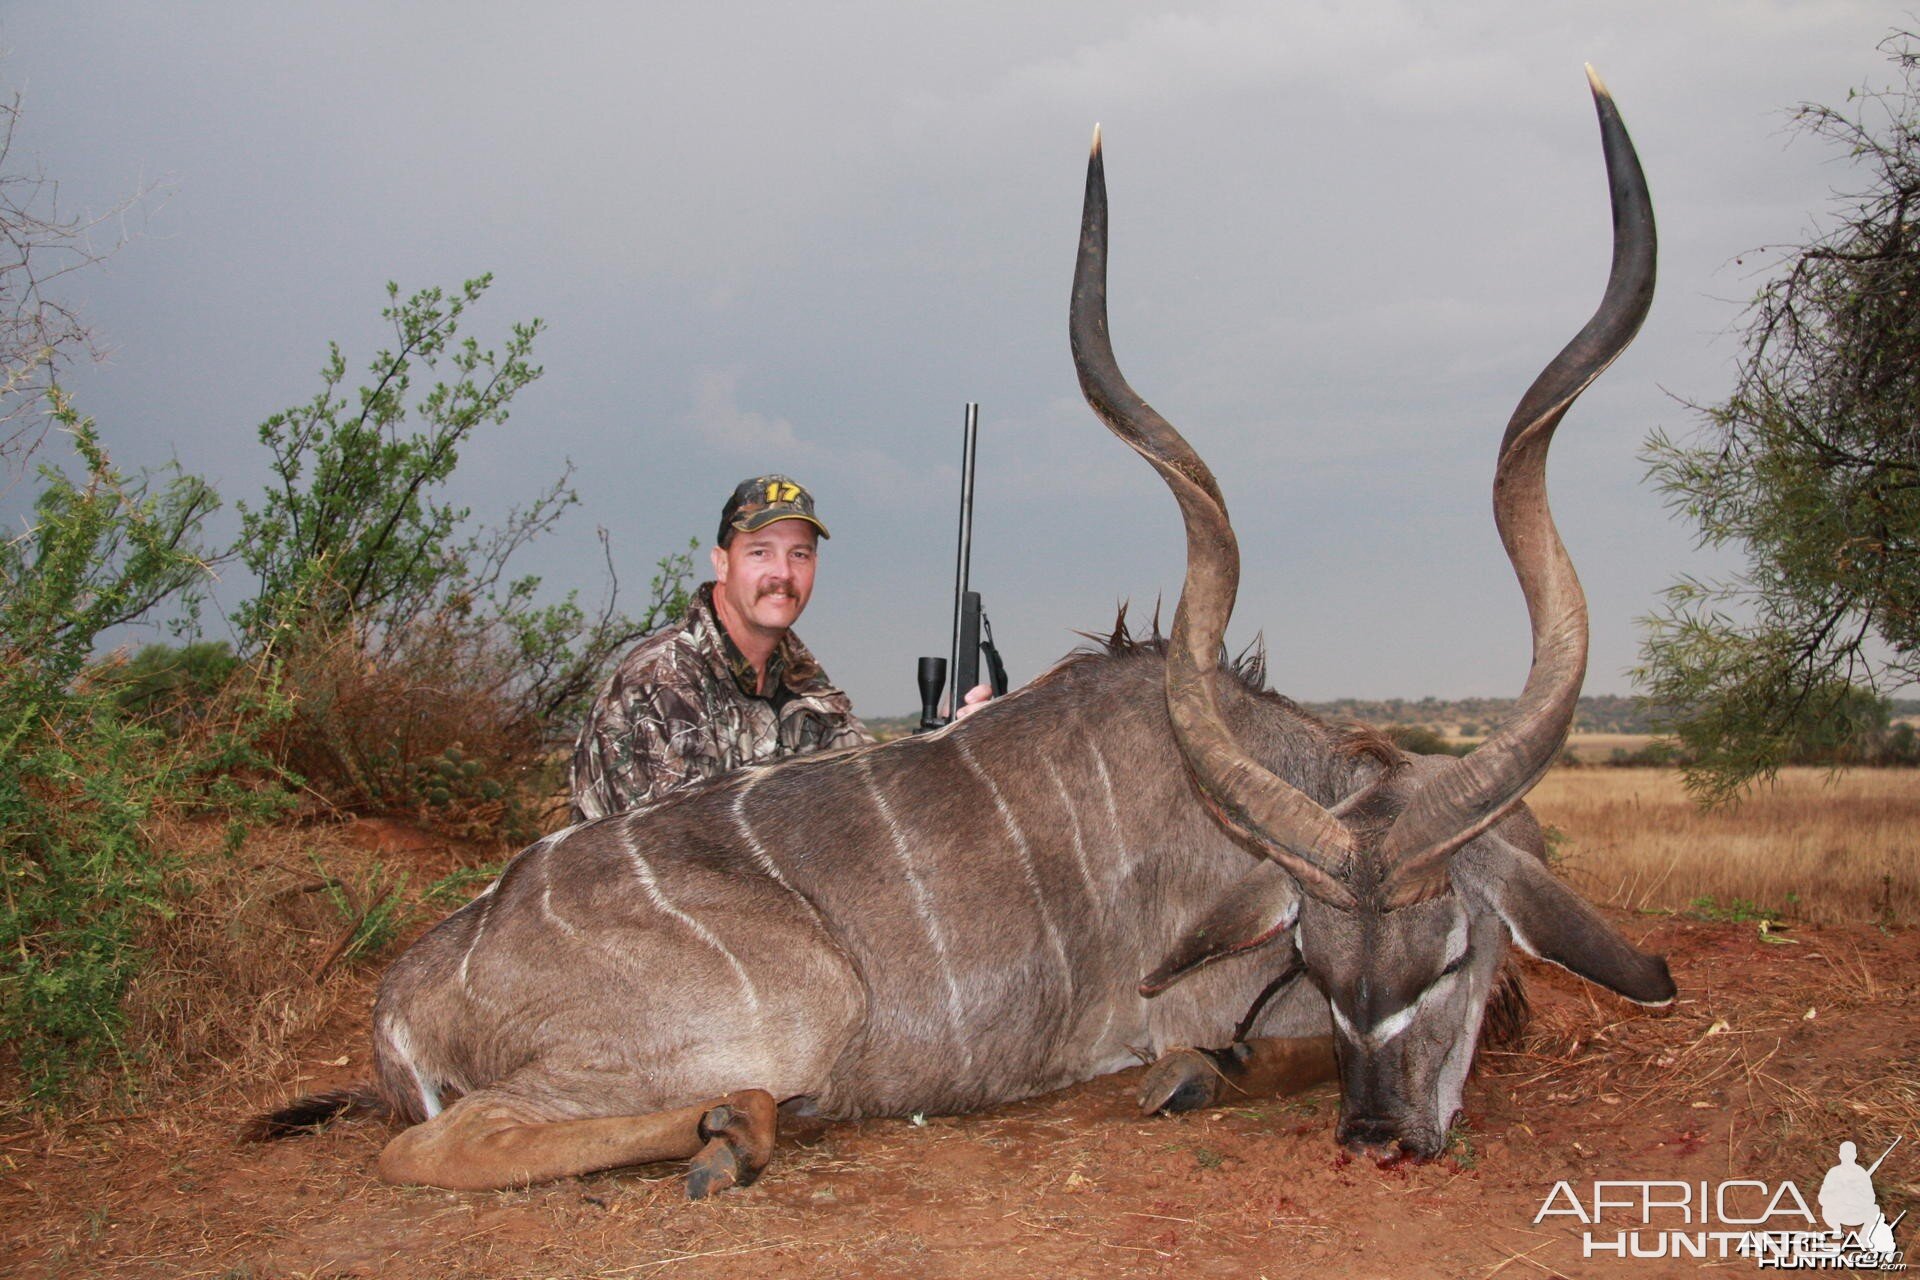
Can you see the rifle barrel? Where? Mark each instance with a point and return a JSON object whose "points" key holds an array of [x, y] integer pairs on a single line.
{"points": [[964, 558]]}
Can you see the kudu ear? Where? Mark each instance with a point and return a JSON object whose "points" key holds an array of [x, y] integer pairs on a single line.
{"points": [[1551, 921], [1261, 905]]}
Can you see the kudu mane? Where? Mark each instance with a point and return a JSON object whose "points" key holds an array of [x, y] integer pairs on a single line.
{"points": [[1249, 667]]}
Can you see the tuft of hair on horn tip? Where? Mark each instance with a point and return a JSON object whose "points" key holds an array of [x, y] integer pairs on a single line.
{"points": [[1599, 85], [1096, 138]]}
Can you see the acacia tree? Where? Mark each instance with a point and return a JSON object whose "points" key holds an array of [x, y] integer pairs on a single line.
{"points": [[1812, 468]]}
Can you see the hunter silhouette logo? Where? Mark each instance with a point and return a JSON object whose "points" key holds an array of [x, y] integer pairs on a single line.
{"points": [[1847, 1200], [1771, 1223]]}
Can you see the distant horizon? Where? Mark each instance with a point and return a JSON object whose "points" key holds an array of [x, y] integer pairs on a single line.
{"points": [[1899, 707]]}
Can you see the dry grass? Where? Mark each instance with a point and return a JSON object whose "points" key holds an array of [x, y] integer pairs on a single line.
{"points": [[1813, 845], [237, 975], [432, 727], [262, 952]]}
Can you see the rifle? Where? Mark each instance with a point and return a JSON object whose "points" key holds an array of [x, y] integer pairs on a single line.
{"points": [[972, 632]]}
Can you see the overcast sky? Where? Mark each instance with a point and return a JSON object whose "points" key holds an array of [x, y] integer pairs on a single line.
{"points": [[799, 237]]}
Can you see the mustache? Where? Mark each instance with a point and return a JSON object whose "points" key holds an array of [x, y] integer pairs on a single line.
{"points": [[775, 586]]}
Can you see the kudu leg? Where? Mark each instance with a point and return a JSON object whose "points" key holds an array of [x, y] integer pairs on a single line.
{"points": [[486, 1142], [1188, 1079]]}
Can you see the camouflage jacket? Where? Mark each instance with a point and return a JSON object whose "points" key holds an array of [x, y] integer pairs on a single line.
{"points": [[678, 708]]}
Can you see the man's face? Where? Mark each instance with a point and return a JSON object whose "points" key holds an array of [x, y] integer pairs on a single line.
{"points": [[765, 578]]}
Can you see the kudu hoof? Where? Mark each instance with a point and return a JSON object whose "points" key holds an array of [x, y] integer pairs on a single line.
{"points": [[739, 1133], [1182, 1080], [716, 1168]]}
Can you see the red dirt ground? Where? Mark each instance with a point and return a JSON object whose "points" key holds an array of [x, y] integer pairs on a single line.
{"points": [[1775, 1052]]}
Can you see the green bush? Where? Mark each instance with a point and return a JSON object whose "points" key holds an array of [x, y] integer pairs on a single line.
{"points": [[82, 779], [1855, 729], [1422, 741], [396, 625], [1660, 753], [173, 684]]}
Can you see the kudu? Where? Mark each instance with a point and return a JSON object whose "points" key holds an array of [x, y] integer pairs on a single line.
{"points": [[955, 920]]}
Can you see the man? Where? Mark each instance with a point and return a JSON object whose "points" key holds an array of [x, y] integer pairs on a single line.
{"points": [[728, 685]]}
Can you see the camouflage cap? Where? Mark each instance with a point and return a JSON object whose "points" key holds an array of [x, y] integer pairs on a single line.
{"points": [[763, 500]]}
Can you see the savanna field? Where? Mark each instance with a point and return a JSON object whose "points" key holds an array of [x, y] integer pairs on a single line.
{"points": [[1812, 846], [1788, 922]]}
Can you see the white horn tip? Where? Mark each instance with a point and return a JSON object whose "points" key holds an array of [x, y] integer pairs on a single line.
{"points": [[1096, 139], [1599, 85]]}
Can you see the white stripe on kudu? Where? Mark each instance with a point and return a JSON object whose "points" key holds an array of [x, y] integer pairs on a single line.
{"points": [[1094, 894], [652, 885], [1106, 790], [923, 906], [479, 932], [761, 858], [1019, 839], [546, 900]]}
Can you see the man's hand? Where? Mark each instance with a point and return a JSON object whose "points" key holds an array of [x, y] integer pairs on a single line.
{"points": [[977, 697]]}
